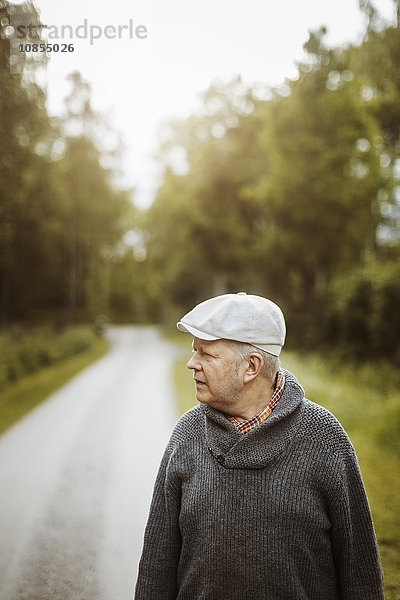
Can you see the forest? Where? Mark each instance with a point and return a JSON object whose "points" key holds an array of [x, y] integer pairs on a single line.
{"points": [[290, 192]]}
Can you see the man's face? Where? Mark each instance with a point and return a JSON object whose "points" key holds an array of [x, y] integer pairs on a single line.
{"points": [[217, 377]]}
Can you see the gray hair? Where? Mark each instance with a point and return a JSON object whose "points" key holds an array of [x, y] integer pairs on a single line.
{"points": [[242, 350]]}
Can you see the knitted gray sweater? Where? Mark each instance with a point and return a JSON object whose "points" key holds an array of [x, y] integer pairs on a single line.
{"points": [[278, 513]]}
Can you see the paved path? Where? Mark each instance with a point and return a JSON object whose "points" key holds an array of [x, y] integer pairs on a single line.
{"points": [[76, 476]]}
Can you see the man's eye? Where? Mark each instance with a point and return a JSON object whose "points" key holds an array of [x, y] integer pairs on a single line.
{"points": [[201, 352]]}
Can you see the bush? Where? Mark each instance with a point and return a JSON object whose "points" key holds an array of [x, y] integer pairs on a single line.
{"points": [[23, 353], [362, 313]]}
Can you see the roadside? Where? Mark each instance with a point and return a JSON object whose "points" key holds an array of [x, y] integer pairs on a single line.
{"points": [[17, 399]]}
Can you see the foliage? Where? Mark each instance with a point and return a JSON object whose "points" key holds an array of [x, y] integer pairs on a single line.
{"points": [[362, 313], [25, 133], [214, 221], [131, 288], [61, 212], [96, 216], [22, 353], [320, 197], [287, 196], [293, 194]]}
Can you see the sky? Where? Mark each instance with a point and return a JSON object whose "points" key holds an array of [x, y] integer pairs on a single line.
{"points": [[140, 81]]}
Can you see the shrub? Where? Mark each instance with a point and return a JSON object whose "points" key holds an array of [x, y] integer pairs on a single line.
{"points": [[22, 352], [362, 313]]}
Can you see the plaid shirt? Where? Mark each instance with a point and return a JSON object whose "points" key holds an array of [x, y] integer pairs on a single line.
{"points": [[245, 426]]}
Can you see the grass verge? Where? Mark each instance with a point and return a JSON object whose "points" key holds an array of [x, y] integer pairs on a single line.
{"points": [[364, 411], [19, 398]]}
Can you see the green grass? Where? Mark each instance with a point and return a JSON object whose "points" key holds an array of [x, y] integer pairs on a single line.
{"points": [[182, 377], [363, 403], [19, 398]]}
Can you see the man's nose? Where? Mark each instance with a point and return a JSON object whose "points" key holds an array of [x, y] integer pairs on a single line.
{"points": [[193, 363]]}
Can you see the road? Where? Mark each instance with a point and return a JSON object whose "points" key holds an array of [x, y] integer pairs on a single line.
{"points": [[77, 473]]}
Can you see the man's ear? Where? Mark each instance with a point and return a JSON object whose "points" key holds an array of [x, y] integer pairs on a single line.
{"points": [[253, 365]]}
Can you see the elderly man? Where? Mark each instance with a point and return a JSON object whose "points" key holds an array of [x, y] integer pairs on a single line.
{"points": [[259, 494]]}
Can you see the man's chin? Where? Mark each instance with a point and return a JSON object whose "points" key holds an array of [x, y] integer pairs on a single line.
{"points": [[203, 398], [209, 401]]}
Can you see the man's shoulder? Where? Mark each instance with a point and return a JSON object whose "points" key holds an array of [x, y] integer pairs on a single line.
{"points": [[188, 425], [192, 417], [324, 428]]}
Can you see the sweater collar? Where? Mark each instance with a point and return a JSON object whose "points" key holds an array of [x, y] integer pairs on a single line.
{"points": [[255, 449]]}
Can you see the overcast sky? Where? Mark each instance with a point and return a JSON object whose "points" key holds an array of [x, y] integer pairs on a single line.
{"points": [[188, 45]]}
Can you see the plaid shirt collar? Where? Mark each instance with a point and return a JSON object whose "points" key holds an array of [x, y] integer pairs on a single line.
{"points": [[245, 426]]}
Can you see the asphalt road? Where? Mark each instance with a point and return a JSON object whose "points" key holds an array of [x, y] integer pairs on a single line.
{"points": [[76, 476]]}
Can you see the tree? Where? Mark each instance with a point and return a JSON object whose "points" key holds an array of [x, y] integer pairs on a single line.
{"points": [[278, 196], [26, 137], [204, 204], [61, 213], [320, 196], [98, 213], [376, 60]]}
